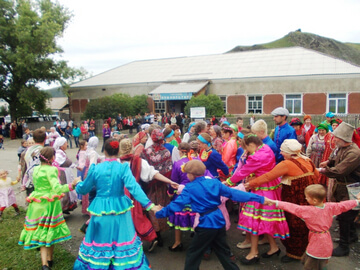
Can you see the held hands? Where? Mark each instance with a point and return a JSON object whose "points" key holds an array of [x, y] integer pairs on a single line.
{"points": [[269, 201], [156, 208], [76, 181], [323, 164], [174, 185]]}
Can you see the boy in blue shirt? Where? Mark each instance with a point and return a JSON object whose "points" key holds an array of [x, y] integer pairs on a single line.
{"points": [[204, 196]]}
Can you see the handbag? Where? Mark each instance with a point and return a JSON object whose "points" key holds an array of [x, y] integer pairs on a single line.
{"points": [[353, 190]]}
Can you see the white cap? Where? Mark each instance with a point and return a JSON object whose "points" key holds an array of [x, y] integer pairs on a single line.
{"points": [[280, 111]]}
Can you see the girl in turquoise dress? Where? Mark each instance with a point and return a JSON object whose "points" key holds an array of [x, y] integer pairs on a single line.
{"points": [[111, 241], [44, 222]]}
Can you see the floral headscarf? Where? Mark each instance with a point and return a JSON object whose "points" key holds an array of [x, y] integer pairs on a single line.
{"points": [[137, 138]]}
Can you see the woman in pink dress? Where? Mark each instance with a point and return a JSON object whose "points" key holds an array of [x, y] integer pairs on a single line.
{"points": [[257, 219], [229, 147]]}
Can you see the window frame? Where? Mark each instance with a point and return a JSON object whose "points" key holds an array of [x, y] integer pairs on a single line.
{"points": [[294, 99], [255, 101], [337, 103]]}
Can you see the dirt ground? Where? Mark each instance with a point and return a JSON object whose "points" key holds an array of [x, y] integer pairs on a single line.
{"points": [[162, 258]]}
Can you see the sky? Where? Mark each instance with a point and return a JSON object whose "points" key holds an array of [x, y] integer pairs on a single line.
{"points": [[103, 35]]}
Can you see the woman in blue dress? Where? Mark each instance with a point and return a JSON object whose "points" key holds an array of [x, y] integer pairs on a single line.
{"points": [[111, 241]]}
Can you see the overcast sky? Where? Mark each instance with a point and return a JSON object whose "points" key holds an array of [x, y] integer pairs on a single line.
{"points": [[106, 34]]}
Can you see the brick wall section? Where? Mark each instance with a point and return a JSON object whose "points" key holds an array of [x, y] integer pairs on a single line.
{"points": [[236, 104], [270, 102], [354, 103], [314, 103]]}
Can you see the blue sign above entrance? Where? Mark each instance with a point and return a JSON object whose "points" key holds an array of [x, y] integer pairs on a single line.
{"points": [[172, 96]]}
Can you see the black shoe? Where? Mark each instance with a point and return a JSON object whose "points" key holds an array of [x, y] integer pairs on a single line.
{"points": [[50, 263], [341, 251], [266, 255], [153, 244], [160, 242], [287, 259], [45, 267], [245, 261], [177, 248]]}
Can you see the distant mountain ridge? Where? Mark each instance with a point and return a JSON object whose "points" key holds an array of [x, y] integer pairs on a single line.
{"points": [[349, 52]]}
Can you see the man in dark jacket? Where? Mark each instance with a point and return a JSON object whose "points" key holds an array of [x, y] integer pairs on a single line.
{"points": [[344, 166]]}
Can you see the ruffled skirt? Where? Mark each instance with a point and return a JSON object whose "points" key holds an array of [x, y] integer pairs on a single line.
{"points": [[183, 220], [111, 243], [44, 225], [259, 219]]}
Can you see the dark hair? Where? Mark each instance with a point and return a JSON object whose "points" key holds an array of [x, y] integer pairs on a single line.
{"points": [[46, 154], [167, 131], [174, 127], [81, 143], [184, 146], [251, 138], [109, 149], [39, 135], [239, 118], [199, 126]]}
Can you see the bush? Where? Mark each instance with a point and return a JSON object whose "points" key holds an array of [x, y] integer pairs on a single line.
{"points": [[212, 103], [111, 106]]}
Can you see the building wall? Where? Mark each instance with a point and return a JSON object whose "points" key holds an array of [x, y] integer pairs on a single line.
{"points": [[314, 91]]}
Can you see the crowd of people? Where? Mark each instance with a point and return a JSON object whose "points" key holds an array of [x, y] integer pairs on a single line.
{"points": [[191, 176]]}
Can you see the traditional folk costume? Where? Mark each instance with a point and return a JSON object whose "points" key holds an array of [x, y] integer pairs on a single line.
{"points": [[141, 170], [159, 157], [318, 220], [44, 222], [315, 149], [7, 195], [296, 174], [256, 218], [213, 162], [229, 153], [65, 167], [329, 147], [92, 157], [138, 147], [111, 241]]}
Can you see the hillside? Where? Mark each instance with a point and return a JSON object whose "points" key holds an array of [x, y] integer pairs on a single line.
{"points": [[349, 52]]}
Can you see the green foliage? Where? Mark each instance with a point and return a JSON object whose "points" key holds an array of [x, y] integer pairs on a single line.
{"points": [[212, 103], [3, 111], [18, 258], [111, 106], [29, 31]]}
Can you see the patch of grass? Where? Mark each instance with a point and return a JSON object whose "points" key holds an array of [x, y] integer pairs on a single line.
{"points": [[354, 45], [14, 257]]}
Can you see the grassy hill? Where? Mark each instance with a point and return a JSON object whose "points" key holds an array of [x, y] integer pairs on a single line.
{"points": [[349, 52]]}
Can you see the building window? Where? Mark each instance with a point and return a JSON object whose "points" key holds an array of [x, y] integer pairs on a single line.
{"points": [[159, 106], [223, 99], [337, 103], [254, 104], [293, 103]]}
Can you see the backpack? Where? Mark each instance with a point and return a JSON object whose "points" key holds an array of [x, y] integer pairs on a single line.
{"points": [[34, 162]]}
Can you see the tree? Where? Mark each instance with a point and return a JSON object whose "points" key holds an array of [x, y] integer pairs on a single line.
{"points": [[212, 103], [29, 32]]}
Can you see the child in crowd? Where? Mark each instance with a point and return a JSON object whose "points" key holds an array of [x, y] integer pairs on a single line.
{"points": [[204, 196], [2, 142], [44, 222], [318, 218], [22, 148], [30, 142], [7, 195]]}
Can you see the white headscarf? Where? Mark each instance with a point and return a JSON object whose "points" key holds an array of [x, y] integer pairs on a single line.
{"points": [[60, 141], [92, 144], [60, 156], [292, 147]]}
